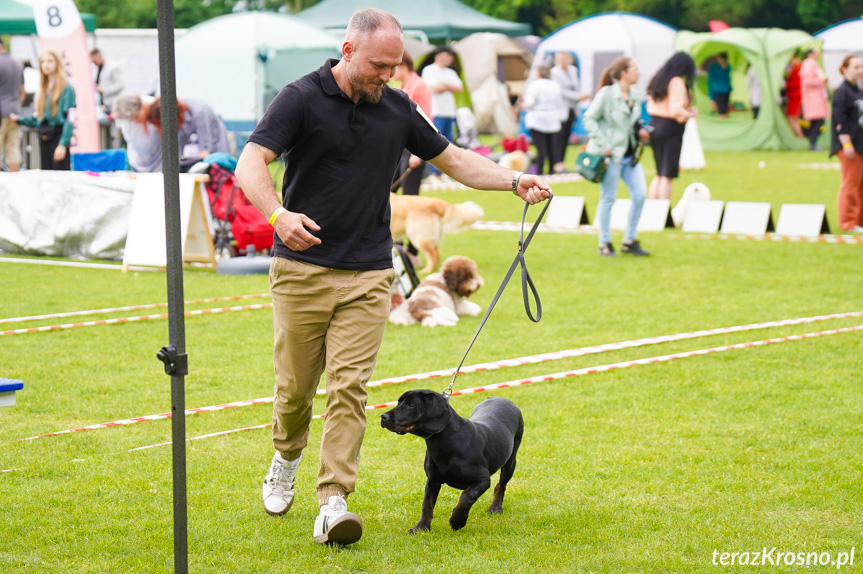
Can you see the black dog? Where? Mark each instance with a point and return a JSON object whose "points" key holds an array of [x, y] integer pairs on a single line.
{"points": [[462, 453]]}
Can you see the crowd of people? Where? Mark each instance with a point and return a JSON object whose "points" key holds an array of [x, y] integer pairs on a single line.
{"points": [[550, 106], [134, 120]]}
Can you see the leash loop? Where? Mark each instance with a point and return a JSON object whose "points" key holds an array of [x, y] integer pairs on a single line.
{"points": [[526, 282]]}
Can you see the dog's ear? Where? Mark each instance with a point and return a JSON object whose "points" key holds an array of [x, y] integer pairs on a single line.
{"points": [[436, 414]]}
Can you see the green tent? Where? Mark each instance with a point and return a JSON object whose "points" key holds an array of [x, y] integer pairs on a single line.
{"points": [[437, 19], [768, 50], [16, 18]]}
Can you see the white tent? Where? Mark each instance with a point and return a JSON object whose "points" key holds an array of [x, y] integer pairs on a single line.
{"points": [[597, 40], [840, 40], [494, 69], [238, 62]]}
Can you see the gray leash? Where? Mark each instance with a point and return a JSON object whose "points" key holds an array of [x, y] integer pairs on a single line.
{"points": [[526, 282]]}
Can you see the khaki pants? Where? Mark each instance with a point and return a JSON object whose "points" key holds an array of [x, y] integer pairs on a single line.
{"points": [[334, 320], [850, 198]]}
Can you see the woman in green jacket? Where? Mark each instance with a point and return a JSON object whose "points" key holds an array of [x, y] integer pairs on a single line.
{"points": [[54, 119], [611, 121]]}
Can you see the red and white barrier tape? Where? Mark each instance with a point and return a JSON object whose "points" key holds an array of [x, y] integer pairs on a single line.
{"points": [[134, 319], [128, 308], [52, 263], [848, 239], [456, 186], [490, 366], [566, 374], [591, 229], [543, 227]]}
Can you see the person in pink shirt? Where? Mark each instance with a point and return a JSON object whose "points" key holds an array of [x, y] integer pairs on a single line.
{"points": [[813, 96], [419, 92]]}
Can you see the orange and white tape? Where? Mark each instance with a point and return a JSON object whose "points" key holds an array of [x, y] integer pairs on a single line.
{"points": [[127, 308], [489, 366], [134, 319], [563, 375]]}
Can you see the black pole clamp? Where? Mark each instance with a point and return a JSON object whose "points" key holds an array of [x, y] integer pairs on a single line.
{"points": [[175, 363]]}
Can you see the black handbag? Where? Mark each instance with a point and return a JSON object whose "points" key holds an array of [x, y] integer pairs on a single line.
{"points": [[591, 166], [47, 132]]}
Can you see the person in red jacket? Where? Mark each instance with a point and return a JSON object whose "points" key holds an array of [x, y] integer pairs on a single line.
{"points": [[793, 95]]}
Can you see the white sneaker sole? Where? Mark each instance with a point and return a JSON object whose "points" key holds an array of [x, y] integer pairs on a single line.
{"points": [[346, 529], [285, 511]]}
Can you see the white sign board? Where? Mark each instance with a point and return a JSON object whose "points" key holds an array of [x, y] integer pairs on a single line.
{"points": [[703, 216], [655, 215], [566, 211], [747, 218], [802, 219], [146, 241]]}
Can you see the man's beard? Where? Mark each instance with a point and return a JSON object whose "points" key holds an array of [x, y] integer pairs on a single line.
{"points": [[372, 96]]}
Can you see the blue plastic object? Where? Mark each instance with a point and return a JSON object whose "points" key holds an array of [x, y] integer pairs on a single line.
{"points": [[105, 160]]}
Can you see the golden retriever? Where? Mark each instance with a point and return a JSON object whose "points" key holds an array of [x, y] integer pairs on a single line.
{"points": [[425, 220]]}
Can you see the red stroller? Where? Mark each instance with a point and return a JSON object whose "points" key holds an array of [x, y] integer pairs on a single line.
{"points": [[239, 224]]}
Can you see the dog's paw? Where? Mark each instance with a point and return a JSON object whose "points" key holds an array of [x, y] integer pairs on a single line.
{"points": [[401, 316], [419, 528], [495, 508], [469, 308], [458, 519], [437, 322]]}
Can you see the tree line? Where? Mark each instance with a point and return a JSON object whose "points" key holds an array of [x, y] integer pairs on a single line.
{"points": [[544, 16]]}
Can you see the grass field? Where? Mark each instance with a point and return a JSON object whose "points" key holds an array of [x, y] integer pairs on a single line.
{"points": [[653, 468]]}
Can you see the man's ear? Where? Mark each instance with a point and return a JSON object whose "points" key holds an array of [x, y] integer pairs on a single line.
{"points": [[347, 51], [436, 414]]}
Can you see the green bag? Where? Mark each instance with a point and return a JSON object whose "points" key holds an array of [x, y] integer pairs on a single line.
{"points": [[591, 166]]}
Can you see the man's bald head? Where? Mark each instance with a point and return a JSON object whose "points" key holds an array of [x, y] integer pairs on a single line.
{"points": [[367, 21]]}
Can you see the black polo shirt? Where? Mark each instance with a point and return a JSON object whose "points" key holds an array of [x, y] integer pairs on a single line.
{"points": [[340, 161]]}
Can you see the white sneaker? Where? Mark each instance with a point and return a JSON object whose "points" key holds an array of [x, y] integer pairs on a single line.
{"points": [[278, 490], [856, 229], [335, 525]]}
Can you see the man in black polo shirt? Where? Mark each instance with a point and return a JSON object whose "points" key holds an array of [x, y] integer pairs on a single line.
{"points": [[343, 131]]}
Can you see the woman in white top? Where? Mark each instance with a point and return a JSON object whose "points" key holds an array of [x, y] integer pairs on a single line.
{"points": [[565, 74], [545, 112]]}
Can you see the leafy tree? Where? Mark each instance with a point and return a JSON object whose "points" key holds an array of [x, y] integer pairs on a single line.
{"points": [[141, 14]]}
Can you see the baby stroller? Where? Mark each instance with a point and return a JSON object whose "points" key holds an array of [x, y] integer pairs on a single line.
{"points": [[467, 133], [406, 278], [240, 227]]}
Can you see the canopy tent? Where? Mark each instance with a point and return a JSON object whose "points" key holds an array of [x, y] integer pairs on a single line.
{"points": [[768, 51], [438, 19], [237, 63], [495, 69], [597, 40], [840, 40], [16, 18]]}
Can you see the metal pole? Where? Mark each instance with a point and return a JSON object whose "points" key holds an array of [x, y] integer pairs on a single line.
{"points": [[174, 355]]}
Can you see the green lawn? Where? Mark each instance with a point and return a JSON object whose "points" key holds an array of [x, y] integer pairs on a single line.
{"points": [[645, 469]]}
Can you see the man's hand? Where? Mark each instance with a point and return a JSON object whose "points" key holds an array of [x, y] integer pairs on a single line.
{"points": [[59, 153], [532, 188], [291, 228]]}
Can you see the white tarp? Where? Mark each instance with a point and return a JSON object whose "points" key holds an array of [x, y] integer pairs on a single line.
{"points": [[494, 68], [599, 39], [238, 62], [840, 40], [65, 213]]}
